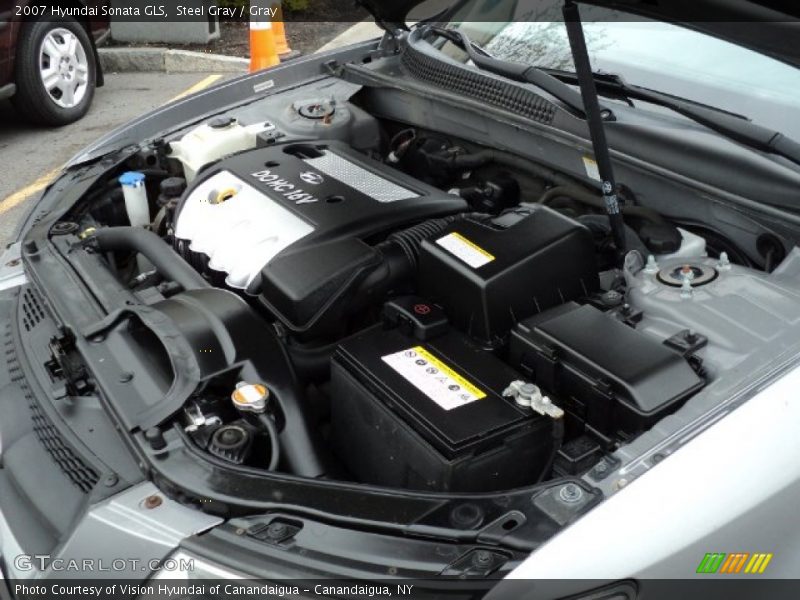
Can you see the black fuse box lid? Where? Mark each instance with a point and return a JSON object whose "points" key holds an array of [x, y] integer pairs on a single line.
{"points": [[397, 370], [613, 377]]}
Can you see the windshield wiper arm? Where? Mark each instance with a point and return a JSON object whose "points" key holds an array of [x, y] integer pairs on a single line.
{"points": [[735, 127], [518, 71], [732, 126]]}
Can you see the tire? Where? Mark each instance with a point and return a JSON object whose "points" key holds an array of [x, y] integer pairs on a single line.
{"points": [[61, 53]]}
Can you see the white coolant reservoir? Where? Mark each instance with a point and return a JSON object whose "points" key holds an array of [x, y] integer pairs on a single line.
{"points": [[213, 140], [692, 246]]}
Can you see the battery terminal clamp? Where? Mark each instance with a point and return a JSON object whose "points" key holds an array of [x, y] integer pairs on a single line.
{"points": [[530, 396]]}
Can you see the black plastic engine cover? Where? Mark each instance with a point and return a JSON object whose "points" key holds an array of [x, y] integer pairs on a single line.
{"points": [[340, 202], [336, 190], [343, 193], [490, 274]]}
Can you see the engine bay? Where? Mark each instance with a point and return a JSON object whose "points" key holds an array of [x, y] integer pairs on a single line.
{"points": [[372, 301]]}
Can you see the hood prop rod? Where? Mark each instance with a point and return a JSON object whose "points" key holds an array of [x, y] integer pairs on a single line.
{"points": [[594, 118]]}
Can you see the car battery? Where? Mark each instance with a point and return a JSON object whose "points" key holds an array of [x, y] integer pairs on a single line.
{"points": [[430, 415]]}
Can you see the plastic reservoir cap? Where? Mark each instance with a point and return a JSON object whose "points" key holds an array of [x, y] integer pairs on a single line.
{"points": [[250, 397], [132, 178], [222, 122]]}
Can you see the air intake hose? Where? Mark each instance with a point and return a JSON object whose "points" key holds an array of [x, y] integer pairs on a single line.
{"points": [[396, 267], [153, 248], [400, 254]]}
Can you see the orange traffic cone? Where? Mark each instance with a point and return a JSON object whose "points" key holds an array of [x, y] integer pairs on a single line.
{"points": [[263, 53], [281, 44]]}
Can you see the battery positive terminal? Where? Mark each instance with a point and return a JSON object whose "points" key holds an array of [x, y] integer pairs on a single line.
{"points": [[530, 396]]}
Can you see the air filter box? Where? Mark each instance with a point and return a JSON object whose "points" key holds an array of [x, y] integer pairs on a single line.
{"points": [[431, 416], [489, 274]]}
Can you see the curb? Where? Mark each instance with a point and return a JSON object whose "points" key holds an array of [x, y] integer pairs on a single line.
{"points": [[360, 32], [165, 60]]}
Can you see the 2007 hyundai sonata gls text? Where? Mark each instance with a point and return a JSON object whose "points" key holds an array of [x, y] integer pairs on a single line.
{"points": [[512, 292]]}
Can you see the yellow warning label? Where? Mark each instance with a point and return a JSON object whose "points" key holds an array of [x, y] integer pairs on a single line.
{"points": [[435, 362], [433, 378], [468, 251], [474, 246]]}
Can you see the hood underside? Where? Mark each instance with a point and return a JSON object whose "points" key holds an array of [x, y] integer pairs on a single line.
{"points": [[771, 27]]}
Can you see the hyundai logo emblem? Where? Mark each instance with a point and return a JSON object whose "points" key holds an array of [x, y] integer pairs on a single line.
{"points": [[311, 178]]}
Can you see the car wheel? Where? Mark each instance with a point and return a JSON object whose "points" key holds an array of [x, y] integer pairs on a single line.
{"points": [[55, 72]]}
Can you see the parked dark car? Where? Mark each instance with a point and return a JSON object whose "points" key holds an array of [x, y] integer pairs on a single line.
{"points": [[48, 63]]}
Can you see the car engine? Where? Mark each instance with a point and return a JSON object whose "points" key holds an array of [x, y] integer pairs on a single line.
{"points": [[395, 307]]}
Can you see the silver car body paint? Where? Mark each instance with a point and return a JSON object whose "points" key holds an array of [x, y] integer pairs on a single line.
{"points": [[12, 273], [122, 528], [752, 322], [733, 488]]}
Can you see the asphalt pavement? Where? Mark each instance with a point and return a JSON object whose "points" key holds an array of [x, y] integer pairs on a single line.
{"points": [[31, 156]]}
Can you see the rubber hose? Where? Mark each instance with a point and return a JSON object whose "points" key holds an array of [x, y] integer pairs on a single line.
{"points": [[485, 157], [399, 257], [586, 197], [152, 247], [272, 432], [600, 224], [769, 260], [312, 363], [409, 240]]}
